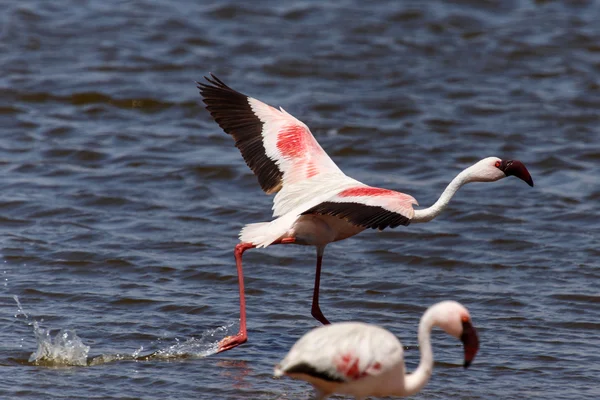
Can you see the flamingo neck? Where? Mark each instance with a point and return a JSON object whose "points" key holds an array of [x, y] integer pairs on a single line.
{"points": [[427, 214], [415, 381]]}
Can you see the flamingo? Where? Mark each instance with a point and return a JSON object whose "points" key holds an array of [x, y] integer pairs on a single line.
{"points": [[316, 203], [363, 360]]}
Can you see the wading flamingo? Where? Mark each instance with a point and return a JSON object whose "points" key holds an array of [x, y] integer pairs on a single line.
{"points": [[363, 360], [316, 203]]}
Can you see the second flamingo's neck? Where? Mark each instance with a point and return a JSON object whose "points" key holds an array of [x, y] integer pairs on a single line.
{"points": [[415, 381], [427, 214]]}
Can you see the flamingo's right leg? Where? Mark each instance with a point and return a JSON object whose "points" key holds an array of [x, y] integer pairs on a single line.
{"points": [[241, 337]]}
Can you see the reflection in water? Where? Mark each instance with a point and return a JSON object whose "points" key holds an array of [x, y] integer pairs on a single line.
{"points": [[235, 372]]}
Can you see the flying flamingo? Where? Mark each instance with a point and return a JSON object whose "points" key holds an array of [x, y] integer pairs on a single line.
{"points": [[363, 360], [316, 203]]}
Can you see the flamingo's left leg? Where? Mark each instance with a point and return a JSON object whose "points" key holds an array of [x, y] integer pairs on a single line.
{"points": [[316, 310]]}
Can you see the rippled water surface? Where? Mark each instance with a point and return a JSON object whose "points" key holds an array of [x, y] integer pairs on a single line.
{"points": [[121, 199]]}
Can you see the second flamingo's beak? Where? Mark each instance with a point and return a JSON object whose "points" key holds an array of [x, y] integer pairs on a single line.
{"points": [[470, 342], [516, 168]]}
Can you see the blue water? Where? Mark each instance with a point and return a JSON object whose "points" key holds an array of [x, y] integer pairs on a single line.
{"points": [[121, 199]]}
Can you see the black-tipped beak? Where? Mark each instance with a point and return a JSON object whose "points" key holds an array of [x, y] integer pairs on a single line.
{"points": [[470, 342], [516, 168]]}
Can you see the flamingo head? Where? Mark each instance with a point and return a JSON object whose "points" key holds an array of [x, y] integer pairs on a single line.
{"points": [[491, 169], [456, 321]]}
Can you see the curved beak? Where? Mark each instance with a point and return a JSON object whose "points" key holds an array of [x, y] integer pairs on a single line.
{"points": [[470, 342], [516, 168]]}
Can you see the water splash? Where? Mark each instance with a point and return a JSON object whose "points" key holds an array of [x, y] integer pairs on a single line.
{"points": [[68, 349], [205, 345], [20, 310], [64, 349]]}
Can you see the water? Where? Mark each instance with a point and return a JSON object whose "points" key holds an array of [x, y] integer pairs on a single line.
{"points": [[67, 349], [121, 199]]}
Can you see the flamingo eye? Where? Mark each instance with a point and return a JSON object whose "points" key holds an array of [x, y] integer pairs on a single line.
{"points": [[497, 164], [464, 318]]}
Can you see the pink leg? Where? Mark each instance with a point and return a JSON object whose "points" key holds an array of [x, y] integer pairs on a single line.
{"points": [[242, 336], [232, 341], [316, 310]]}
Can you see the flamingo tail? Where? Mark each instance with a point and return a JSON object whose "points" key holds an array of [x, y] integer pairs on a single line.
{"points": [[262, 234]]}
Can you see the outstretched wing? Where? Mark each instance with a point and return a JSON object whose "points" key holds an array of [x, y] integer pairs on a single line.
{"points": [[368, 207], [277, 147]]}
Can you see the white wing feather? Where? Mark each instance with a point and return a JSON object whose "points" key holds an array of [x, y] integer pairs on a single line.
{"points": [[289, 142], [374, 349]]}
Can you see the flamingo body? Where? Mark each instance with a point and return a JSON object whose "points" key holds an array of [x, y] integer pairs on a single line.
{"points": [[363, 360], [348, 358], [315, 202]]}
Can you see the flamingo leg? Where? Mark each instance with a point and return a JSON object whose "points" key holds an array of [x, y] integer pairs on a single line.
{"points": [[316, 310], [241, 337]]}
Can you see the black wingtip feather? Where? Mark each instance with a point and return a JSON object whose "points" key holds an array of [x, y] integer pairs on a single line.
{"points": [[231, 110], [213, 83]]}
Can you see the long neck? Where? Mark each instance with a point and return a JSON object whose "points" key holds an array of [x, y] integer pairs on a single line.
{"points": [[427, 214], [415, 381]]}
